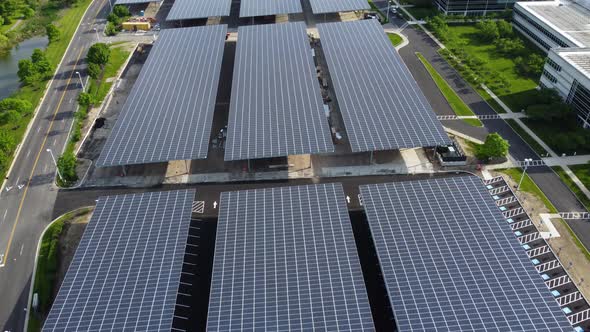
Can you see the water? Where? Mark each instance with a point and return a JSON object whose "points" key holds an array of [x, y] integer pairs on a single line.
{"points": [[9, 64]]}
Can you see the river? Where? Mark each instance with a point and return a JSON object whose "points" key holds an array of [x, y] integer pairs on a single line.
{"points": [[9, 64]]}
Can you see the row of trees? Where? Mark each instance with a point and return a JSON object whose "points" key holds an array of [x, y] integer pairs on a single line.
{"points": [[119, 15], [12, 110]]}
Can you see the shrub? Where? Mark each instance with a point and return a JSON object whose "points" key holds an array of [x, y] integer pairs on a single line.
{"points": [[53, 33]]}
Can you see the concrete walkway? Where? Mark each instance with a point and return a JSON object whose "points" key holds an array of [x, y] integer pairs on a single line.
{"points": [[567, 160], [557, 160]]}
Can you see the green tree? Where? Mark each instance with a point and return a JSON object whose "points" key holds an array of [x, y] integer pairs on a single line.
{"points": [[555, 111], [114, 19], [493, 147], [510, 46], [504, 29], [28, 12], [110, 29], [14, 104], [27, 72], [85, 99], [99, 54], [94, 70], [7, 142], [66, 164], [11, 118], [488, 30], [41, 63], [53, 33], [121, 11]]}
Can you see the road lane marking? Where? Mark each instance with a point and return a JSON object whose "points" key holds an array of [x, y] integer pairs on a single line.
{"points": [[38, 128], [22, 201], [21, 249], [28, 153]]}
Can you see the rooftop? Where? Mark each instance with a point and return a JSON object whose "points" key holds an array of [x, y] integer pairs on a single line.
{"points": [[577, 57], [570, 19]]}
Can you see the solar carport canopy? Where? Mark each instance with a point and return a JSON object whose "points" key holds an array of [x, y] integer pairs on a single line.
{"points": [[276, 108], [169, 112], [126, 270], [335, 6], [250, 8], [134, 2], [381, 104], [193, 9], [286, 260], [451, 262]]}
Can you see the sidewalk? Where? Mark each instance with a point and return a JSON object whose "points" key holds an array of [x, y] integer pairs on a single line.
{"points": [[555, 159], [568, 160]]}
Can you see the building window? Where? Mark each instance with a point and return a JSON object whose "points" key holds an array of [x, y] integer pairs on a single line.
{"points": [[549, 77], [553, 64], [579, 99], [546, 32], [531, 35]]}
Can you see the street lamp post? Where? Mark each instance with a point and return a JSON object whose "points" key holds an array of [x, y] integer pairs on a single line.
{"points": [[81, 82], [55, 162], [526, 164]]}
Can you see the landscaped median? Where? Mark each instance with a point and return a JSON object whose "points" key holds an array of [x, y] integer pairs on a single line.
{"points": [[48, 262], [456, 103], [394, 38]]}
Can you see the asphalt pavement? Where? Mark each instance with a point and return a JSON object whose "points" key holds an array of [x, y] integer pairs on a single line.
{"points": [[26, 203], [549, 182]]}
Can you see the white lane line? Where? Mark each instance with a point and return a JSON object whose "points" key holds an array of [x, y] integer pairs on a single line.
{"points": [[5, 213], [28, 153], [45, 169], [54, 140], [21, 249], [38, 128]]}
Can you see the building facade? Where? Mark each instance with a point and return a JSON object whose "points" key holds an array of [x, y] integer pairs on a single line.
{"points": [[562, 29], [472, 7]]}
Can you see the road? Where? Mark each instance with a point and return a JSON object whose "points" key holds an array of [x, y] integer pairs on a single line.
{"points": [[27, 201], [549, 182]]}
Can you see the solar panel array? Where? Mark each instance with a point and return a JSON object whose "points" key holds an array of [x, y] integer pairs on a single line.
{"points": [[286, 260], [335, 6], [250, 8], [276, 108], [169, 112], [134, 2], [381, 104], [126, 270], [193, 9], [451, 262]]}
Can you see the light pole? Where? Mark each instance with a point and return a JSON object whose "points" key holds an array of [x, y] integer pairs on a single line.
{"points": [[526, 164], [97, 36], [81, 82], [55, 162]]}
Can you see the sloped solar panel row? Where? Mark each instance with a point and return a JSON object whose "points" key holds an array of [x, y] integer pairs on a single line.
{"points": [[276, 108], [335, 6], [381, 104], [194, 9], [451, 262], [286, 260], [169, 112], [250, 8], [126, 270]]}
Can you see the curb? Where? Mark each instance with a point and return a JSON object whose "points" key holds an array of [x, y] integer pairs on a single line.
{"points": [[36, 113], [30, 298]]}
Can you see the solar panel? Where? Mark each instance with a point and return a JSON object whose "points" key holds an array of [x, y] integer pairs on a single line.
{"points": [[250, 8], [193, 9], [275, 108], [286, 260], [381, 104], [126, 270], [134, 2], [169, 112], [451, 262], [334, 6]]}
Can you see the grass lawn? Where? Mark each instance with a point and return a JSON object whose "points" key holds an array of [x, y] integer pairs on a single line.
{"points": [[528, 185], [465, 37], [585, 172], [394, 38], [456, 103], [526, 137], [48, 264]]}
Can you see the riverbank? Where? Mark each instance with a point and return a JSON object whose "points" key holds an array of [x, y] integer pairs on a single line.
{"points": [[67, 21]]}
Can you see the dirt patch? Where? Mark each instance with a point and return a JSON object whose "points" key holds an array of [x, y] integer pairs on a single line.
{"points": [[564, 247], [71, 234]]}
